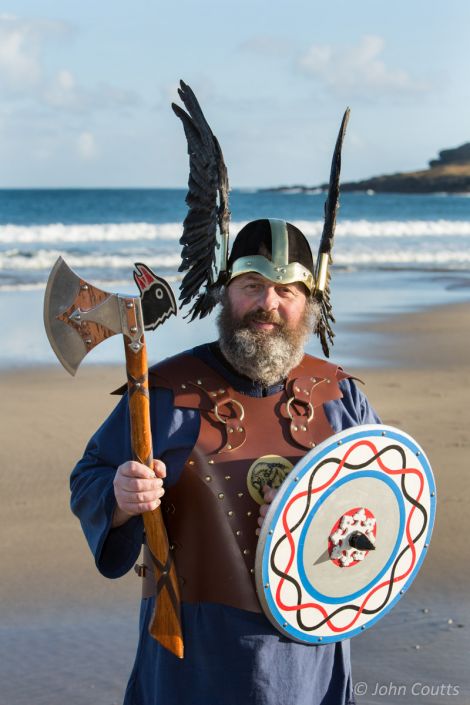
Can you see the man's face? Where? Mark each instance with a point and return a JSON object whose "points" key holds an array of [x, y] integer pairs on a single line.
{"points": [[264, 326], [264, 305]]}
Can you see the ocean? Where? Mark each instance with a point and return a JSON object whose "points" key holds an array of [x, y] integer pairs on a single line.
{"points": [[75, 641], [392, 252]]}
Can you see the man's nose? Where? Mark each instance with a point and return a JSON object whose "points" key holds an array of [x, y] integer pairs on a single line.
{"points": [[269, 299]]}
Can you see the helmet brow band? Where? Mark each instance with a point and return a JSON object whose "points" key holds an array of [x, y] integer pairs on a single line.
{"points": [[280, 274]]}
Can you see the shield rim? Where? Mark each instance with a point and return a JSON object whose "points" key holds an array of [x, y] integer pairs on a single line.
{"points": [[291, 480]]}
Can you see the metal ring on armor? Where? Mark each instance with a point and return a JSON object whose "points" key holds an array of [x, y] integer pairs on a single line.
{"points": [[308, 405], [229, 401]]}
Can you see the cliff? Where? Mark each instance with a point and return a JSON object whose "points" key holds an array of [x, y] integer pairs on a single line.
{"points": [[449, 173], [450, 178]]}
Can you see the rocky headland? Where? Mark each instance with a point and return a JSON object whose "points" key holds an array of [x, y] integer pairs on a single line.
{"points": [[450, 173]]}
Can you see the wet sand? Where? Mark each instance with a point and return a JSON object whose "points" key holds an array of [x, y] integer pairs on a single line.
{"points": [[419, 653], [68, 635]]}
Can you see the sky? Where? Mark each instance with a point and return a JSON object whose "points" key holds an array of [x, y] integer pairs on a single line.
{"points": [[86, 88]]}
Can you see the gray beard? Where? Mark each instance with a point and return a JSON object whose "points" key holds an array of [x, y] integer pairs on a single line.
{"points": [[266, 357]]}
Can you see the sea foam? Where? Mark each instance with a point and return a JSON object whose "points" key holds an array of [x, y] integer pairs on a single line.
{"points": [[57, 233]]}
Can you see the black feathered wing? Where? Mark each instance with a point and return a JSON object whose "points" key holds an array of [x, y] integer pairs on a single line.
{"points": [[324, 258], [206, 226]]}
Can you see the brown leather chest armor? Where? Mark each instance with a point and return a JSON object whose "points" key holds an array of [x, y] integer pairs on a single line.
{"points": [[209, 513]]}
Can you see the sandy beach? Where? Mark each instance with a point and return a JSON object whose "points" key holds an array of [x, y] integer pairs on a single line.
{"points": [[68, 635]]}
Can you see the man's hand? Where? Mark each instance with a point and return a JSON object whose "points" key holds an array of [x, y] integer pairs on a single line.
{"points": [[137, 489], [268, 494]]}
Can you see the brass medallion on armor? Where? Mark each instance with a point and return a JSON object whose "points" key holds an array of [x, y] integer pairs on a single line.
{"points": [[267, 470]]}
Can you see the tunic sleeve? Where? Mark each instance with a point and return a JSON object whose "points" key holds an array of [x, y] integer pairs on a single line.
{"points": [[174, 433], [352, 409]]}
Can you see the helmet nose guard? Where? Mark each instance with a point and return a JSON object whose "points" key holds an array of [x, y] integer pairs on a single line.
{"points": [[275, 249]]}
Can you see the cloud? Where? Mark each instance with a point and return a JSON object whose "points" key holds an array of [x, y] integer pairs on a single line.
{"points": [[86, 146], [358, 70], [21, 50], [63, 92], [24, 73]]}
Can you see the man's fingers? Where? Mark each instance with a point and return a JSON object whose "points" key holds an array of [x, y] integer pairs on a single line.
{"points": [[138, 502], [140, 508], [134, 469], [137, 488], [268, 493], [141, 497], [159, 468], [263, 510], [133, 484]]}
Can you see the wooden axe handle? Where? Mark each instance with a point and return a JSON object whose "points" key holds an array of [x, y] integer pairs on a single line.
{"points": [[74, 327], [166, 620]]}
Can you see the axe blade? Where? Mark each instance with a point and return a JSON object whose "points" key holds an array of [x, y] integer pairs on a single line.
{"points": [[62, 289], [77, 315]]}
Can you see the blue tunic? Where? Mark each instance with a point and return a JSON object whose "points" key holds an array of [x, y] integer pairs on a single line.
{"points": [[232, 657]]}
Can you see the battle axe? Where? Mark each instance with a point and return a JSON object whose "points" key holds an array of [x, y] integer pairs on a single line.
{"points": [[78, 316]]}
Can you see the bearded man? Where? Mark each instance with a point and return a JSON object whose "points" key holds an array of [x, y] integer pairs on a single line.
{"points": [[220, 412]]}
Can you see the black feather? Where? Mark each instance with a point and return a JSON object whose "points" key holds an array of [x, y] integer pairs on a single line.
{"points": [[207, 200], [324, 329], [332, 198]]}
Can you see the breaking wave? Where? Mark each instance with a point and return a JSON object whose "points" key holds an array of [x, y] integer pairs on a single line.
{"points": [[108, 251], [45, 259], [58, 233]]}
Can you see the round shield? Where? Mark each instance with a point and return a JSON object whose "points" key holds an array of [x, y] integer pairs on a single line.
{"points": [[346, 534]]}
